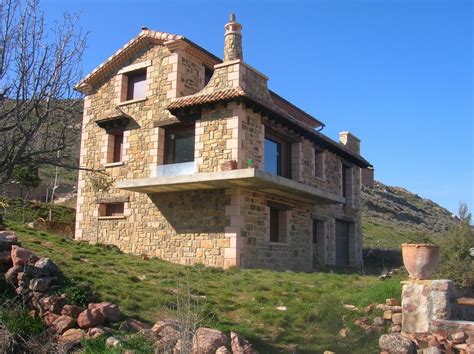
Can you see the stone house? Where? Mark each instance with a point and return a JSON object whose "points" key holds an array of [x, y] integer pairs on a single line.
{"points": [[210, 166]]}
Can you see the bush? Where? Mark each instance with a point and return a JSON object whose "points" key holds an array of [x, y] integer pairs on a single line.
{"points": [[456, 262]]}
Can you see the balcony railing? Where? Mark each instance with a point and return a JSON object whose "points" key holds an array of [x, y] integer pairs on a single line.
{"points": [[175, 169]]}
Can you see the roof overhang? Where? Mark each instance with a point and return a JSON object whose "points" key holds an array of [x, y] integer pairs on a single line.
{"points": [[250, 178]]}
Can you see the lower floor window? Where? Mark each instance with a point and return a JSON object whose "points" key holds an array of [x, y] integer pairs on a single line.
{"points": [[278, 224], [111, 209]]}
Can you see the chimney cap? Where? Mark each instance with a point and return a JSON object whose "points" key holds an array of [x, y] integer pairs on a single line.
{"points": [[232, 17], [144, 28]]}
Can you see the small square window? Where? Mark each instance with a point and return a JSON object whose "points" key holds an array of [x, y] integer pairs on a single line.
{"points": [[179, 144], [278, 224], [111, 209], [136, 84]]}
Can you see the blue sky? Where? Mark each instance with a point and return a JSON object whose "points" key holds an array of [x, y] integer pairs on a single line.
{"points": [[398, 74]]}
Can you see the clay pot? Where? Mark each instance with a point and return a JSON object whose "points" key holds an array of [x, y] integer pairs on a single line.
{"points": [[420, 260], [229, 165]]}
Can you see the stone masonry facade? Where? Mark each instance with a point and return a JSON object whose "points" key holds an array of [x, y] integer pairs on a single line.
{"points": [[231, 113]]}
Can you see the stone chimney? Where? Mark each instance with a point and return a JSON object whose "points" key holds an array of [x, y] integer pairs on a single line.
{"points": [[233, 40], [350, 141]]}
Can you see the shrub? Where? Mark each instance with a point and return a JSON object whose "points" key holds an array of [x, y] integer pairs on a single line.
{"points": [[456, 262]]}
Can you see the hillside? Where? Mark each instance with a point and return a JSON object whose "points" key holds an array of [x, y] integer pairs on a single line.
{"points": [[390, 214]]}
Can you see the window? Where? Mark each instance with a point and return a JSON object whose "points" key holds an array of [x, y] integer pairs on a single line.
{"points": [[278, 224], [179, 144], [136, 84], [115, 148], [111, 209], [319, 243], [319, 163], [207, 75], [277, 157], [347, 183]]}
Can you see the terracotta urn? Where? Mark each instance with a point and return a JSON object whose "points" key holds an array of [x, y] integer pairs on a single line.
{"points": [[229, 165], [420, 259]]}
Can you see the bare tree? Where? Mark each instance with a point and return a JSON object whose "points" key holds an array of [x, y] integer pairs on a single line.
{"points": [[38, 70]]}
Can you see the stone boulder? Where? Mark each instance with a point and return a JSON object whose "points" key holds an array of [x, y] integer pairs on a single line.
{"points": [[133, 325], [90, 318], [72, 336], [223, 350], [62, 324], [41, 284], [8, 239], [49, 318], [166, 328], [20, 256], [11, 276], [98, 331], [47, 267], [71, 310], [113, 342], [396, 344], [52, 304], [208, 340], [110, 311], [6, 258], [240, 345]]}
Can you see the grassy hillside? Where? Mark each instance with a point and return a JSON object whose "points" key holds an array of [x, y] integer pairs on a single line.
{"points": [[242, 300]]}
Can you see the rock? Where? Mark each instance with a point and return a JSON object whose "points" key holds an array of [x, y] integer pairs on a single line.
{"points": [[47, 267], [392, 302], [281, 308], [396, 328], [395, 309], [350, 307], [90, 318], [41, 284], [223, 350], [49, 318], [166, 328], [71, 310], [52, 304], [458, 337], [396, 343], [113, 342], [8, 239], [328, 352], [11, 276], [240, 345], [432, 350], [382, 307], [387, 315], [370, 308], [98, 331], [378, 321], [169, 345], [373, 329], [6, 257], [397, 318], [133, 325], [343, 332], [71, 336], [62, 324], [110, 311], [208, 340], [20, 255]]}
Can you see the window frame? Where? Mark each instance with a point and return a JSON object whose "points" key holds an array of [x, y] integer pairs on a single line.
{"points": [[106, 210], [284, 151], [347, 182], [134, 74], [321, 166], [168, 130], [281, 212]]}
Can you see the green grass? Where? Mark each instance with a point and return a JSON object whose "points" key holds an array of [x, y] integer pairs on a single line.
{"points": [[379, 235], [240, 300], [35, 210]]}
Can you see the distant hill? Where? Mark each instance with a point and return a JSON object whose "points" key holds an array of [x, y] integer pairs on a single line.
{"points": [[390, 214]]}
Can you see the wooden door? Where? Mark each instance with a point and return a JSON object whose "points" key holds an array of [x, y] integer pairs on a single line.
{"points": [[342, 243]]}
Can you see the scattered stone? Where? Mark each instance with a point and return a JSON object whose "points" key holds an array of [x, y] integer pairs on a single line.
{"points": [[395, 343], [392, 302], [396, 328], [387, 315], [62, 324], [373, 329], [90, 318], [370, 308], [350, 307], [113, 342], [20, 255], [98, 331], [240, 345], [397, 318], [52, 304], [11, 276], [328, 352], [110, 311], [49, 318], [166, 328], [223, 350], [281, 308], [71, 310], [458, 337], [8, 239], [133, 325], [6, 257], [208, 340], [71, 336], [382, 307], [343, 332], [41, 284], [432, 350], [396, 309], [47, 267], [378, 321]]}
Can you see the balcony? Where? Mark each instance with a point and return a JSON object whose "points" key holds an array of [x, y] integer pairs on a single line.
{"points": [[175, 169], [248, 178]]}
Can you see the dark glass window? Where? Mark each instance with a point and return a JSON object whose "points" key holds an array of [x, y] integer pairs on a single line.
{"points": [[207, 75], [278, 222], [272, 157], [179, 144], [319, 163], [111, 209], [274, 225], [117, 147], [136, 84], [346, 180]]}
